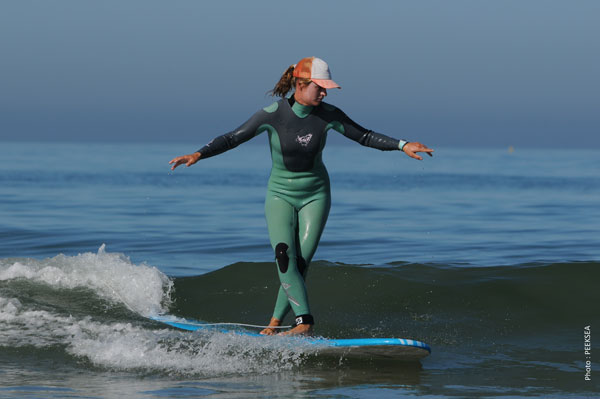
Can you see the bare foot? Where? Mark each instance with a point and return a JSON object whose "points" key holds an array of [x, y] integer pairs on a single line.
{"points": [[272, 331], [300, 329]]}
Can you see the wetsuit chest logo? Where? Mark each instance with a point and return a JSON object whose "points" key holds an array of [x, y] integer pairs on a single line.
{"points": [[304, 140]]}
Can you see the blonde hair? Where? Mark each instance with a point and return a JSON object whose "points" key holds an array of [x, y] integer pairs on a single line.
{"points": [[287, 83]]}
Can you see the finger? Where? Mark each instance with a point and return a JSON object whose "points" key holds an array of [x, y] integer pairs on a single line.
{"points": [[422, 147], [426, 150], [414, 155], [177, 163]]}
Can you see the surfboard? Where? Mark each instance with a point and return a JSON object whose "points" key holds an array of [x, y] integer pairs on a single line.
{"points": [[391, 348]]}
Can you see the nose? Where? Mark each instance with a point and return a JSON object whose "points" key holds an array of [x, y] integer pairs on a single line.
{"points": [[324, 91]]}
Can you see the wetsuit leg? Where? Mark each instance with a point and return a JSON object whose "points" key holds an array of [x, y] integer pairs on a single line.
{"points": [[282, 304], [307, 232], [282, 222], [311, 222]]}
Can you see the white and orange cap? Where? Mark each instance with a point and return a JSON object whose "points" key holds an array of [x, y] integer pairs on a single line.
{"points": [[317, 70]]}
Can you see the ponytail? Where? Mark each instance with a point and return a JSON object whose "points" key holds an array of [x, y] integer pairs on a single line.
{"points": [[285, 84]]}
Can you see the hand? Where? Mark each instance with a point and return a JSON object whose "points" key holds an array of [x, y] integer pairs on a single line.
{"points": [[188, 160], [412, 148]]}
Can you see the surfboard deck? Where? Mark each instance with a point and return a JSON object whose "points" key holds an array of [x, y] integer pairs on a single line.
{"points": [[391, 348]]}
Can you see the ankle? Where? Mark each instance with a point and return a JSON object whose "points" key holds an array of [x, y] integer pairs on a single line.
{"points": [[304, 319], [274, 322]]}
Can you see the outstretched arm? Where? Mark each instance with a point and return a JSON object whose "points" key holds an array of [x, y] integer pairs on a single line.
{"points": [[226, 142], [369, 138]]}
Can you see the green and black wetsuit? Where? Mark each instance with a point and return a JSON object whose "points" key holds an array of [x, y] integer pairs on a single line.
{"points": [[298, 194]]}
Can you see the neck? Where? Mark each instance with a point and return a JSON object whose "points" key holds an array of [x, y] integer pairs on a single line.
{"points": [[301, 110]]}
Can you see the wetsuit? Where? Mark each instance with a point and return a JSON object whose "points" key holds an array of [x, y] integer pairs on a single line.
{"points": [[298, 194]]}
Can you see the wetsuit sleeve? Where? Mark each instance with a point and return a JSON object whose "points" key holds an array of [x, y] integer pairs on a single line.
{"points": [[368, 138], [230, 140]]}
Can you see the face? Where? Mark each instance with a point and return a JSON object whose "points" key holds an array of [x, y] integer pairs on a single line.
{"points": [[310, 94]]}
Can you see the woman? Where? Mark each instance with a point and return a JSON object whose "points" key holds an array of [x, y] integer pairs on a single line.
{"points": [[298, 194]]}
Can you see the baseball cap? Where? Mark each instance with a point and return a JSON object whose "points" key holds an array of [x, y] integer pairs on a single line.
{"points": [[317, 70]]}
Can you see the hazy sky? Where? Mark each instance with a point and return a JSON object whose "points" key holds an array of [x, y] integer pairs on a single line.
{"points": [[447, 73]]}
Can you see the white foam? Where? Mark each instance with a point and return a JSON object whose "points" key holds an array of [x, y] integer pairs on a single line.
{"points": [[176, 352], [142, 288], [8, 308], [130, 347]]}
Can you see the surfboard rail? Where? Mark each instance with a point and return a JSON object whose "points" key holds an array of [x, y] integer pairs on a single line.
{"points": [[400, 348]]}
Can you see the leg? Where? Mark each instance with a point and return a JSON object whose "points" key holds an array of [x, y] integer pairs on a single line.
{"points": [[309, 227], [311, 223], [282, 222], [282, 305]]}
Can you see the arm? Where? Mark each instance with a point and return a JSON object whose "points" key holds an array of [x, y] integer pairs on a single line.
{"points": [[226, 142], [369, 138], [230, 140]]}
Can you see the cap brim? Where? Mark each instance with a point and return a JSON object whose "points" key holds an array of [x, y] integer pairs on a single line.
{"points": [[326, 83]]}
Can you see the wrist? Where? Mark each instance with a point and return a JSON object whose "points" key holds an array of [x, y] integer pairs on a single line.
{"points": [[401, 144]]}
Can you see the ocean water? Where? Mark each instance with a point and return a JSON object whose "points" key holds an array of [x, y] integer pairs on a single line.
{"points": [[489, 256]]}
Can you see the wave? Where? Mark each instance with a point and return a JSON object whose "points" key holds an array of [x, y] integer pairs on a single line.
{"points": [[92, 309], [440, 304], [143, 289]]}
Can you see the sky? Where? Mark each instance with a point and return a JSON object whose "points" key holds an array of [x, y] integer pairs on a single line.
{"points": [[457, 73]]}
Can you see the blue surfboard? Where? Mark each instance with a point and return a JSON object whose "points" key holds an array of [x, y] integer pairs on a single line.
{"points": [[393, 348]]}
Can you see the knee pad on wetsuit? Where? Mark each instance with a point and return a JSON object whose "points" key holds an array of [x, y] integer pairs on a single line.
{"points": [[282, 257]]}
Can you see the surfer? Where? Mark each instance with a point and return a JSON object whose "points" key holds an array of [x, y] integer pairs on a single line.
{"points": [[298, 193]]}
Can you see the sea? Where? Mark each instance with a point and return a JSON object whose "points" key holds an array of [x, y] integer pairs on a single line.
{"points": [[489, 255]]}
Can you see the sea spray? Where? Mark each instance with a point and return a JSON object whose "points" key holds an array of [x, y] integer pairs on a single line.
{"points": [[74, 305], [141, 288]]}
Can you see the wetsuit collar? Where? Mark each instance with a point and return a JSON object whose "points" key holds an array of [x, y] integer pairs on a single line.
{"points": [[301, 111]]}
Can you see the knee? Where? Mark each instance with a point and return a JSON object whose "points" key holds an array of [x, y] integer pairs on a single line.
{"points": [[282, 257]]}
